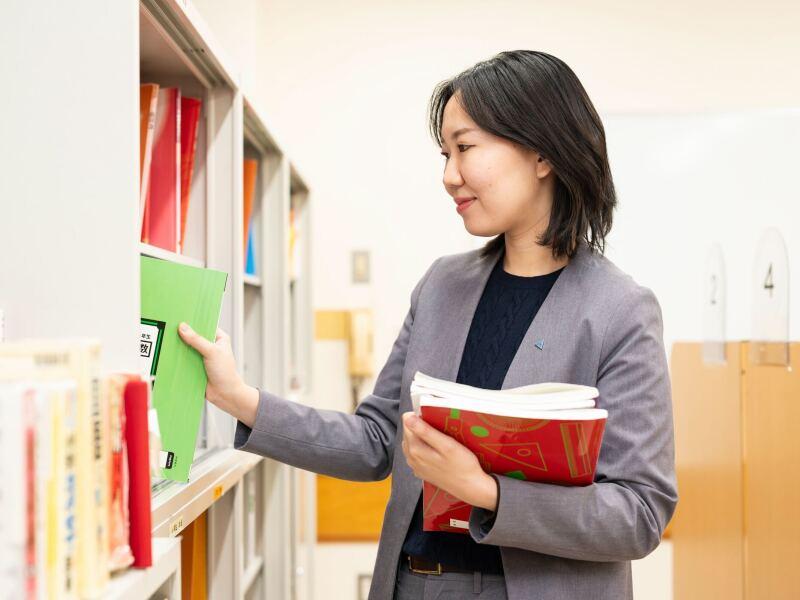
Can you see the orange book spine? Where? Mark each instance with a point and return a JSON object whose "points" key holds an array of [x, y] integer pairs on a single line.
{"points": [[249, 188], [148, 96]]}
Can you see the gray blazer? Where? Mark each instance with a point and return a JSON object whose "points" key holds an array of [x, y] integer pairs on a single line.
{"points": [[600, 328]]}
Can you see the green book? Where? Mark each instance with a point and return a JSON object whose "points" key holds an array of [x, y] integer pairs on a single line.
{"points": [[172, 293]]}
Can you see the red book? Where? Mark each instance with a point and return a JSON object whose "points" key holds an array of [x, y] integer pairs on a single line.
{"points": [[162, 214], [547, 433], [190, 118], [136, 440]]}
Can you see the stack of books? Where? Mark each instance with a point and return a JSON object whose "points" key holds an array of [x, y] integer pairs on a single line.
{"points": [[547, 432]]}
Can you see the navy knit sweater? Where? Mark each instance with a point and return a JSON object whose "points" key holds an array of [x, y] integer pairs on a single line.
{"points": [[504, 313]]}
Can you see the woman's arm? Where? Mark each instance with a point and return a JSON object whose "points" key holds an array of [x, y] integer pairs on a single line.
{"points": [[358, 446], [622, 515]]}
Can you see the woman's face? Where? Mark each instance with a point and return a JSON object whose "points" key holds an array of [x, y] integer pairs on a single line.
{"points": [[509, 183]]}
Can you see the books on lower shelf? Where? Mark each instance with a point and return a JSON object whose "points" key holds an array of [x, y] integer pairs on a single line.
{"points": [[546, 432], [172, 293], [169, 125], [66, 496]]}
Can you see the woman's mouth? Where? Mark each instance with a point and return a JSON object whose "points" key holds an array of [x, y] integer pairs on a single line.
{"points": [[463, 204]]}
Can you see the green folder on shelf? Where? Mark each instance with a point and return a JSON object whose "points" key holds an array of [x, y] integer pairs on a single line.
{"points": [[172, 293]]}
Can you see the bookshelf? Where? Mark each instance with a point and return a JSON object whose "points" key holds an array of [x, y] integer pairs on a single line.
{"points": [[79, 227]]}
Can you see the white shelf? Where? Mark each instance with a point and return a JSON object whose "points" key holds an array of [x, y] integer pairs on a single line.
{"points": [[251, 280], [156, 252], [135, 584], [178, 504]]}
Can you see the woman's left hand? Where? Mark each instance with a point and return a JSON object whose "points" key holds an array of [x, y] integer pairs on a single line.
{"points": [[439, 459]]}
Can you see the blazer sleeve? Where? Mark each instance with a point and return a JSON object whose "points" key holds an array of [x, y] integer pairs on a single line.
{"points": [[359, 446], [622, 515]]}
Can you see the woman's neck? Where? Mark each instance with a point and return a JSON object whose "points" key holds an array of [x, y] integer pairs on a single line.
{"points": [[526, 258]]}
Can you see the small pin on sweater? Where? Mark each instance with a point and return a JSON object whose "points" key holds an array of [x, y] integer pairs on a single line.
{"points": [[540, 344]]}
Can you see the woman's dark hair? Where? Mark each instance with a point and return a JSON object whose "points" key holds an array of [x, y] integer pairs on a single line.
{"points": [[535, 99]]}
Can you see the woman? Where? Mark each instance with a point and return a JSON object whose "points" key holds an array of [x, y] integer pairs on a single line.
{"points": [[526, 162]]}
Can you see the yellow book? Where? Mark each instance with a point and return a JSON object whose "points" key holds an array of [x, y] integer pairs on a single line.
{"points": [[77, 359], [55, 410]]}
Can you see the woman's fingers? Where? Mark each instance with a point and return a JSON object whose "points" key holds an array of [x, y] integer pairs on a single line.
{"points": [[195, 340], [416, 448], [432, 437]]}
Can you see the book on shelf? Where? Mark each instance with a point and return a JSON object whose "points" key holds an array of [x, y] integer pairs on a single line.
{"points": [[148, 96], [136, 433], [546, 433], [250, 263], [250, 172], [15, 546], [190, 119], [162, 206], [119, 550], [172, 293]]}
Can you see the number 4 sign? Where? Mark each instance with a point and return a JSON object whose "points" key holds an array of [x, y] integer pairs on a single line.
{"points": [[770, 310]]}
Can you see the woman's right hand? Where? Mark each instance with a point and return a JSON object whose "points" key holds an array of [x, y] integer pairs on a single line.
{"points": [[226, 389]]}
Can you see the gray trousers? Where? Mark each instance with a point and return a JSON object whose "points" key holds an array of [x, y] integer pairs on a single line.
{"points": [[448, 586]]}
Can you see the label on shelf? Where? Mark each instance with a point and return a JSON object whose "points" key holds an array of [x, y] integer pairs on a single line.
{"points": [[176, 526]]}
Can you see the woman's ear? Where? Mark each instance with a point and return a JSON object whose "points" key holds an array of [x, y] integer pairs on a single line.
{"points": [[543, 167]]}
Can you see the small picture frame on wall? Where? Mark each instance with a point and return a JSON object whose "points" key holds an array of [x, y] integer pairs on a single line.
{"points": [[364, 581], [361, 273]]}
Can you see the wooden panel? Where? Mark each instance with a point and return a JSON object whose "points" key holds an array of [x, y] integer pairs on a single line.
{"points": [[772, 488], [708, 550], [193, 560], [349, 511], [331, 325]]}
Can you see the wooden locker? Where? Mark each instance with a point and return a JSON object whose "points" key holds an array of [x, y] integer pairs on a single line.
{"points": [[771, 485], [706, 531]]}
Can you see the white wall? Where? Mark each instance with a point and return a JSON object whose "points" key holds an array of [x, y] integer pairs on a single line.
{"points": [[345, 84]]}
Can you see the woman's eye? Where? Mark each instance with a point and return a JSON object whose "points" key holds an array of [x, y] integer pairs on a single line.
{"points": [[461, 148]]}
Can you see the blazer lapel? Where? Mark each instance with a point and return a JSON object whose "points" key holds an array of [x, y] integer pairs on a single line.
{"points": [[454, 324], [535, 358]]}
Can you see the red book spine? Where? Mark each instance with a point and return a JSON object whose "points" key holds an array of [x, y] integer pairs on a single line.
{"points": [[556, 451], [136, 439], [30, 494], [190, 118], [163, 202]]}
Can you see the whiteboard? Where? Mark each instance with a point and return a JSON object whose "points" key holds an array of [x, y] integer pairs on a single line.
{"points": [[685, 182]]}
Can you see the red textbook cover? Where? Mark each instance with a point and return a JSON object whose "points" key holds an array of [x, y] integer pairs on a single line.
{"points": [[162, 213], [190, 118], [562, 451], [137, 437]]}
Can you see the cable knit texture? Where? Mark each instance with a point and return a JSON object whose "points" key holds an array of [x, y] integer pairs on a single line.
{"points": [[505, 312]]}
